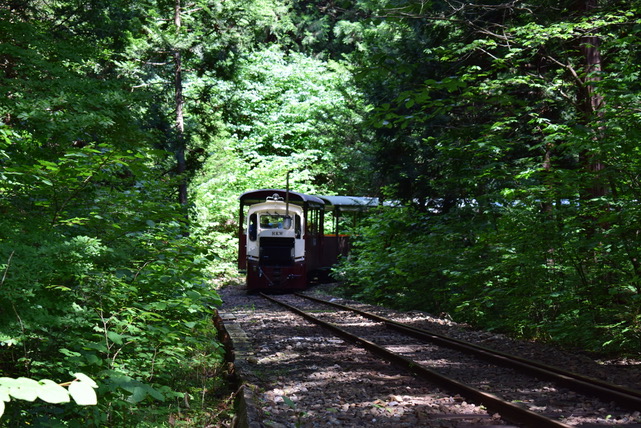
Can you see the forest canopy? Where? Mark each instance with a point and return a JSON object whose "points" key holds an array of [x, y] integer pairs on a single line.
{"points": [[505, 132]]}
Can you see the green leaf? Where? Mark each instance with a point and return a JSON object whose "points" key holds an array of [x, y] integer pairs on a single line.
{"points": [[69, 353], [289, 401], [155, 393], [139, 394], [115, 337], [93, 359]]}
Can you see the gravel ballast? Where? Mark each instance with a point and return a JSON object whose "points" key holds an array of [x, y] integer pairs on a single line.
{"points": [[300, 375]]}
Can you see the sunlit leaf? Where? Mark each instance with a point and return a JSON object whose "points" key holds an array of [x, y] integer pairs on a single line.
{"points": [[25, 389], [83, 393], [86, 379], [51, 392]]}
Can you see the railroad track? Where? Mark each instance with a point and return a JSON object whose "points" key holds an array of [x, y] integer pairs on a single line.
{"points": [[347, 322]]}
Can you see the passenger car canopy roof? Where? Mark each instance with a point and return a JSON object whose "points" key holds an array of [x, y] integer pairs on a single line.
{"points": [[258, 196], [349, 203]]}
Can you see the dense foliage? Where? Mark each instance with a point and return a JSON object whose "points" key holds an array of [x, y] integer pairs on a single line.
{"points": [[97, 274], [510, 129], [504, 133]]}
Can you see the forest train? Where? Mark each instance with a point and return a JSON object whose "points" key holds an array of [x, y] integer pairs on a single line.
{"points": [[288, 240]]}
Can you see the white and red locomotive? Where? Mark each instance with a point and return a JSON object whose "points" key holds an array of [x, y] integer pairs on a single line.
{"points": [[288, 239]]}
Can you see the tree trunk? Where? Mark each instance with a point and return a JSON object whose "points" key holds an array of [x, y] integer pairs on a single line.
{"points": [[180, 124], [592, 105]]}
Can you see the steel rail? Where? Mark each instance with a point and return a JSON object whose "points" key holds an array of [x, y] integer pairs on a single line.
{"points": [[507, 410], [585, 384]]}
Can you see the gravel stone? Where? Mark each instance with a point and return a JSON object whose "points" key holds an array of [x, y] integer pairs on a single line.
{"points": [[304, 376]]}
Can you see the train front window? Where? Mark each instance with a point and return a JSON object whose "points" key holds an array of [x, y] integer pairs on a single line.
{"points": [[252, 227], [275, 221]]}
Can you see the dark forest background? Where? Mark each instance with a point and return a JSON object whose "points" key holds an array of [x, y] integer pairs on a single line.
{"points": [[504, 133]]}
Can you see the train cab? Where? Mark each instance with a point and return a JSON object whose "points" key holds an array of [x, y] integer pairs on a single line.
{"points": [[275, 244], [279, 238]]}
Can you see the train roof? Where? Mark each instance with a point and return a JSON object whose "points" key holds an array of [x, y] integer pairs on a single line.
{"points": [[257, 196], [349, 203], [342, 203]]}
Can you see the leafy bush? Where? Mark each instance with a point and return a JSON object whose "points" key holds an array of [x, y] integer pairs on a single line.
{"points": [[97, 276], [506, 276], [131, 316]]}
